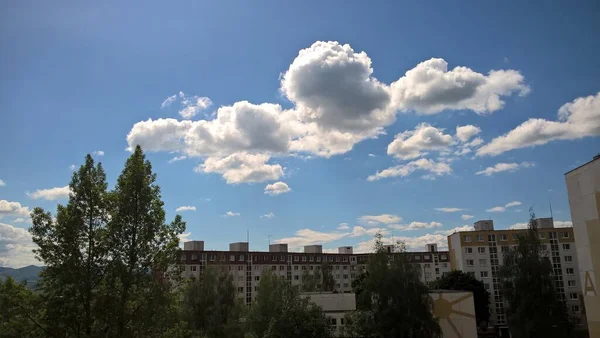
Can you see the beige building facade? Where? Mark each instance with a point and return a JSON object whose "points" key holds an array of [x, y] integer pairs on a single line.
{"points": [[583, 187]]}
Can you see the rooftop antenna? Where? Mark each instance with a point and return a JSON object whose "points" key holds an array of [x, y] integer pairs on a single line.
{"points": [[248, 238], [550, 203], [269, 240]]}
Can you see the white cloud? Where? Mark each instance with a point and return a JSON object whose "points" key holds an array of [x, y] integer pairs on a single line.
{"points": [[519, 226], [512, 204], [379, 219], [242, 168], [416, 226], [449, 209], [177, 158], [430, 166], [277, 188], [563, 224], [430, 88], [231, 214], [500, 167], [51, 194], [16, 247], [185, 208], [22, 220], [464, 133], [2, 184], [577, 119], [372, 155], [167, 102], [496, 209], [72, 167], [416, 143], [98, 153], [449, 232], [336, 104], [466, 217], [268, 215], [8, 208], [412, 243], [190, 105], [343, 226], [310, 237], [358, 231]]}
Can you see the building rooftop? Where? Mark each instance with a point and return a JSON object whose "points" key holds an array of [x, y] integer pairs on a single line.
{"points": [[596, 158]]}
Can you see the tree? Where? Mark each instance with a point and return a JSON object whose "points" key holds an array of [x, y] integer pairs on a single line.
{"points": [[19, 311], [73, 251], [391, 299], [321, 280], [211, 307], [280, 311], [459, 280], [534, 307], [142, 249]]}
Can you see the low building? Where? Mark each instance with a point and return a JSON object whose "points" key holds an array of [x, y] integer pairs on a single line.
{"points": [[335, 306]]}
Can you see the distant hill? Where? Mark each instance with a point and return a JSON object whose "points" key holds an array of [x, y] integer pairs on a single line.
{"points": [[28, 273]]}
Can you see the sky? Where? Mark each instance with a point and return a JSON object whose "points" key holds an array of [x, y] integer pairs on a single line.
{"points": [[302, 122]]}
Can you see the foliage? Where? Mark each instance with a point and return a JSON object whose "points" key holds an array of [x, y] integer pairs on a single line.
{"points": [[321, 280], [211, 307], [534, 308], [108, 256], [19, 311], [459, 280], [391, 299], [280, 311]]}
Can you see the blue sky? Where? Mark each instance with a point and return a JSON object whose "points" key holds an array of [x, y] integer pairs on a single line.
{"points": [[352, 107]]}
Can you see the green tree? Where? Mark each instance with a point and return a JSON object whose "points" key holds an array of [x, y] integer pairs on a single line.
{"points": [[211, 307], [459, 280], [328, 283], [311, 282], [280, 311], [73, 251], [391, 299], [19, 311], [534, 307], [142, 250]]}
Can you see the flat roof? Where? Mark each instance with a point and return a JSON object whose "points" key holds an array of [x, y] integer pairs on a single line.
{"points": [[597, 157]]}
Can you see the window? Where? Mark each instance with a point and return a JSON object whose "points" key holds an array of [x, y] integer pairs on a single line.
{"points": [[568, 258], [274, 268], [330, 258], [232, 258], [311, 258], [337, 285], [342, 321], [515, 236], [344, 259], [296, 277], [352, 275], [345, 267], [573, 296], [182, 268], [443, 257], [332, 321], [296, 267], [213, 258], [337, 267], [346, 285], [486, 286], [193, 268], [337, 259], [542, 235], [241, 258], [570, 271], [257, 278], [444, 265], [257, 267], [565, 234], [470, 262], [483, 262], [566, 246], [304, 258], [480, 238], [282, 258], [472, 273], [484, 274], [437, 271], [345, 276], [241, 268], [274, 258], [241, 289], [311, 267], [427, 257], [296, 259], [427, 265], [353, 259], [303, 267], [469, 250], [575, 308], [571, 283], [240, 278], [417, 258], [544, 247], [481, 250], [467, 238], [505, 248], [503, 237], [337, 276], [194, 257]]}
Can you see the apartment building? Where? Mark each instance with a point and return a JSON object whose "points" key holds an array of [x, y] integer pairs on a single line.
{"points": [[583, 187], [480, 253], [247, 266]]}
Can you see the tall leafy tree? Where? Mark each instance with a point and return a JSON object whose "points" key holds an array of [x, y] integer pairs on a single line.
{"points": [[142, 249], [459, 280], [280, 311], [391, 299], [19, 311], [73, 250], [211, 307], [534, 307]]}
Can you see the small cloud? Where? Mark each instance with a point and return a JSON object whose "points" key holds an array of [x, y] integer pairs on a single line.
{"points": [[343, 226], [512, 204], [496, 209], [2, 184], [51, 194], [98, 153], [372, 155], [466, 217], [503, 209], [378, 219], [167, 102], [277, 188], [185, 237], [72, 167], [177, 158], [268, 215], [416, 226], [22, 220], [186, 208], [506, 60], [449, 209], [231, 214], [501, 167], [518, 210]]}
